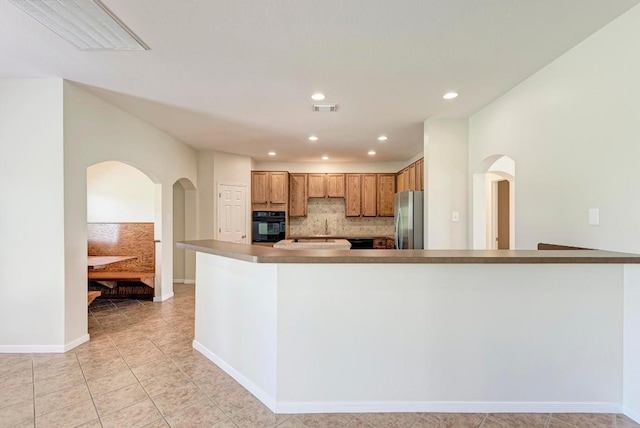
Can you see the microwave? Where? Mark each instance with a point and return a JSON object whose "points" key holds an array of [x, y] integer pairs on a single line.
{"points": [[268, 226]]}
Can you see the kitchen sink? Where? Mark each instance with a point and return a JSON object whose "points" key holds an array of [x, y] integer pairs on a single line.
{"points": [[314, 240]]}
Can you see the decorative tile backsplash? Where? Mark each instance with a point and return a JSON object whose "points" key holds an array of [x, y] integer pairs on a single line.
{"points": [[326, 217]]}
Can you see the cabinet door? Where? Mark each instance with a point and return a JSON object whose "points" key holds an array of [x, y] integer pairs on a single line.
{"points": [[420, 174], [278, 187], [335, 185], [259, 187], [369, 195], [412, 176], [352, 195], [317, 185], [386, 192], [297, 195]]}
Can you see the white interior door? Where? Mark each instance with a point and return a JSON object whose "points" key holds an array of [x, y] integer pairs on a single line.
{"points": [[232, 212]]}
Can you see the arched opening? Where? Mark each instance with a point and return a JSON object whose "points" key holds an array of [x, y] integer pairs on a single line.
{"points": [[184, 228], [123, 226], [494, 204]]}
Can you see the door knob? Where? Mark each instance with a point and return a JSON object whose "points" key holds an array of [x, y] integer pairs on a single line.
{"points": [[243, 236]]}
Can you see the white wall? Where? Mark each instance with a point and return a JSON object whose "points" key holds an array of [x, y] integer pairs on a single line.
{"points": [[178, 232], [96, 131], [572, 129], [446, 177], [32, 250], [117, 192], [216, 168]]}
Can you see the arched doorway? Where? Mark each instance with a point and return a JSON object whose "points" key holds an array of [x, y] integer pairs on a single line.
{"points": [[184, 228], [123, 220], [494, 204]]}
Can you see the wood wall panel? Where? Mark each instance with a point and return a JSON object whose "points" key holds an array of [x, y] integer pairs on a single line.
{"points": [[123, 239]]}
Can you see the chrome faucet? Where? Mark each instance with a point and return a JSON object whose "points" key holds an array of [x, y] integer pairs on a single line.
{"points": [[326, 227]]}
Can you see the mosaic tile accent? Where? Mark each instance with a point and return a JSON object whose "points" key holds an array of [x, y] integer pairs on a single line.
{"points": [[327, 217]]}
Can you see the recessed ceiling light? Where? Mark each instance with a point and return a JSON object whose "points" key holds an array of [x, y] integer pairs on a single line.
{"points": [[87, 24], [450, 95], [271, 153], [318, 96], [313, 138], [382, 138], [325, 157], [371, 153]]}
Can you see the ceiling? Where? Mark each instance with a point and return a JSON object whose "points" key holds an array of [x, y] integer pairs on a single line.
{"points": [[237, 76]]}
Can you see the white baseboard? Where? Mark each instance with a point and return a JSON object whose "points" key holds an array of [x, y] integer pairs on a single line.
{"points": [[79, 341], [163, 298], [40, 349], [258, 392], [406, 406], [189, 281], [446, 407], [632, 414]]}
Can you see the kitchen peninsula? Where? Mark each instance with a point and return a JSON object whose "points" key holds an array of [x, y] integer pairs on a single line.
{"points": [[421, 330]]}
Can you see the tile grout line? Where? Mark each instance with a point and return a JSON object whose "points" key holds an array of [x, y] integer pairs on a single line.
{"points": [[134, 375], [88, 389], [33, 384]]}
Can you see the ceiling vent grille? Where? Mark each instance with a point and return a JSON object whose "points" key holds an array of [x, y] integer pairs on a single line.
{"points": [[86, 24], [325, 108]]}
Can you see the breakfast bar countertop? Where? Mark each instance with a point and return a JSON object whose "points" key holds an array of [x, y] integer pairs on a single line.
{"points": [[259, 254]]}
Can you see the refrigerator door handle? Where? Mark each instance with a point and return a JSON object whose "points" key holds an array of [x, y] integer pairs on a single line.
{"points": [[397, 237], [401, 230]]}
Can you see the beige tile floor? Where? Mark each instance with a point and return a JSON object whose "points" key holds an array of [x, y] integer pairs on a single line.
{"points": [[139, 370]]}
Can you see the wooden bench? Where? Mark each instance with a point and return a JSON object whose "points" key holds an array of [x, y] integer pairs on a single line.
{"points": [[92, 295], [121, 259], [110, 279]]}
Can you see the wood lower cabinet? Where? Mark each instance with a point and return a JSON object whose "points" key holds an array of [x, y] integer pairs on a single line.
{"points": [[298, 195], [317, 185], [386, 194], [335, 185]]}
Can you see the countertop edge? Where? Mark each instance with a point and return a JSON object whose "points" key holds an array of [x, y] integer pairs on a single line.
{"points": [[259, 254]]}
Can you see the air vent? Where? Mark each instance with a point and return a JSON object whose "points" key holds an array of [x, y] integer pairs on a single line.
{"points": [[86, 24], [325, 108]]}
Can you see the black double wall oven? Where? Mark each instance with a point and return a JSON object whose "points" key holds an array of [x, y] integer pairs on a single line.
{"points": [[268, 226]]}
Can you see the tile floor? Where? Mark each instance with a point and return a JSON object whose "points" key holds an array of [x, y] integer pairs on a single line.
{"points": [[139, 370]]}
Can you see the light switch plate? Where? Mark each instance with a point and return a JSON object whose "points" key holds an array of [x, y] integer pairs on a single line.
{"points": [[594, 216], [455, 216]]}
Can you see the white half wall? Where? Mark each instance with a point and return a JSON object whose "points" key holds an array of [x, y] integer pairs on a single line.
{"points": [[32, 223], [446, 182]]}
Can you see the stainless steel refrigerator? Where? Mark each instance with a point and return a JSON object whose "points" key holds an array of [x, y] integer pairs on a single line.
{"points": [[409, 219]]}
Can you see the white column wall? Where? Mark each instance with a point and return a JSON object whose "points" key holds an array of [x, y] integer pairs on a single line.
{"points": [[96, 131], [32, 223], [446, 180]]}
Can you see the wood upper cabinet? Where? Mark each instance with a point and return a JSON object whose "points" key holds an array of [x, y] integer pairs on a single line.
{"points": [[278, 187], [369, 195], [335, 185], [361, 195], [412, 177], [403, 180], [420, 174], [259, 187], [317, 185], [269, 187], [353, 191], [386, 194], [298, 195]]}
